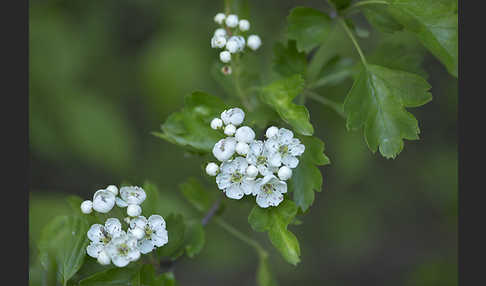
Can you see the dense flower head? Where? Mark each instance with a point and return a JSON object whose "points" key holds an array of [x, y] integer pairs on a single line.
{"points": [[250, 166], [109, 243], [232, 36]]}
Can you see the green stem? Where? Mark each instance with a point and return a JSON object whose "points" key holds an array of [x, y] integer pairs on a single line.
{"points": [[236, 64], [368, 2], [227, 6], [329, 103], [241, 236], [353, 39]]}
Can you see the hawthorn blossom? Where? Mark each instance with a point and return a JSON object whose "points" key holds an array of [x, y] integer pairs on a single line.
{"points": [[154, 233], [269, 191], [232, 179], [123, 249], [284, 149]]}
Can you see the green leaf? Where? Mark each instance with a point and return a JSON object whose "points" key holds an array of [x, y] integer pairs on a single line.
{"points": [[434, 23], [306, 177], [190, 127], [287, 60], [380, 18], [194, 238], [114, 276], [196, 194], [279, 95], [264, 276], [340, 4], [334, 72], [176, 228], [147, 277], [151, 205], [377, 102], [275, 220], [308, 26], [400, 51], [64, 242]]}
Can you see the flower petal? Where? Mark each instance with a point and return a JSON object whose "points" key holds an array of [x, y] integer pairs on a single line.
{"points": [[156, 221], [145, 246], [95, 233], [234, 192], [94, 248]]}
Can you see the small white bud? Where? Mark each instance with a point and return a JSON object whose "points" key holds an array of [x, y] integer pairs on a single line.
{"points": [[224, 148], [220, 32], [245, 134], [103, 201], [230, 130], [216, 123], [219, 18], [251, 171], [103, 258], [225, 56], [242, 148], [271, 131], [233, 116], [231, 21], [87, 207], [218, 42], [134, 210], [244, 25], [284, 173], [137, 232], [226, 70], [212, 169], [232, 46], [254, 42], [235, 44], [113, 189]]}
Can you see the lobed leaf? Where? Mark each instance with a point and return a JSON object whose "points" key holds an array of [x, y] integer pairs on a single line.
{"points": [[279, 95], [377, 102], [287, 61], [274, 221], [308, 26]]}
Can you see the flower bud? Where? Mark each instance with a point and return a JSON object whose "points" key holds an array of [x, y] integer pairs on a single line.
{"points": [[218, 42], [284, 173], [254, 42], [134, 210], [212, 169], [244, 25], [219, 18], [245, 134], [224, 148], [242, 148], [225, 56], [230, 130], [231, 21], [271, 131], [113, 189], [251, 171], [220, 32], [103, 201], [87, 207], [216, 123], [226, 70], [233, 116]]}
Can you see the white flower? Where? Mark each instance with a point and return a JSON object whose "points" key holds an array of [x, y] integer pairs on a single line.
{"points": [[87, 207], [231, 21], [235, 44], [271, 131], [225, 56], [244, 25], [103, 201], [218, 42], [242, 148], [134, 210], [212, 169], [100, 236], [233, 116], [132, 195], [284, 173], [216, 123], [284, 149], [258, 156], [233, 180], [269, 191], [123, 249], [220, 32], [224, 148], [103, 258], [113, 189], [252, 171], [245, 134], [230, 130], [154, 232], [219, 18], [254, 42]]}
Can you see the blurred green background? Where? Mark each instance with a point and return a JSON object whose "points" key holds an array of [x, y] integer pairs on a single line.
{"points": [[104, 74]]}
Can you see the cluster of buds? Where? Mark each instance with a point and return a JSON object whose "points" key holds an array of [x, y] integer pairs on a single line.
{"points": [[250, 166], [231, 37], [109, 243]]}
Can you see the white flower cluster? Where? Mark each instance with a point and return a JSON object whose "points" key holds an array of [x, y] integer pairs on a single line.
{"points": [[231, 37], [109, 242], [250, 166]]}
